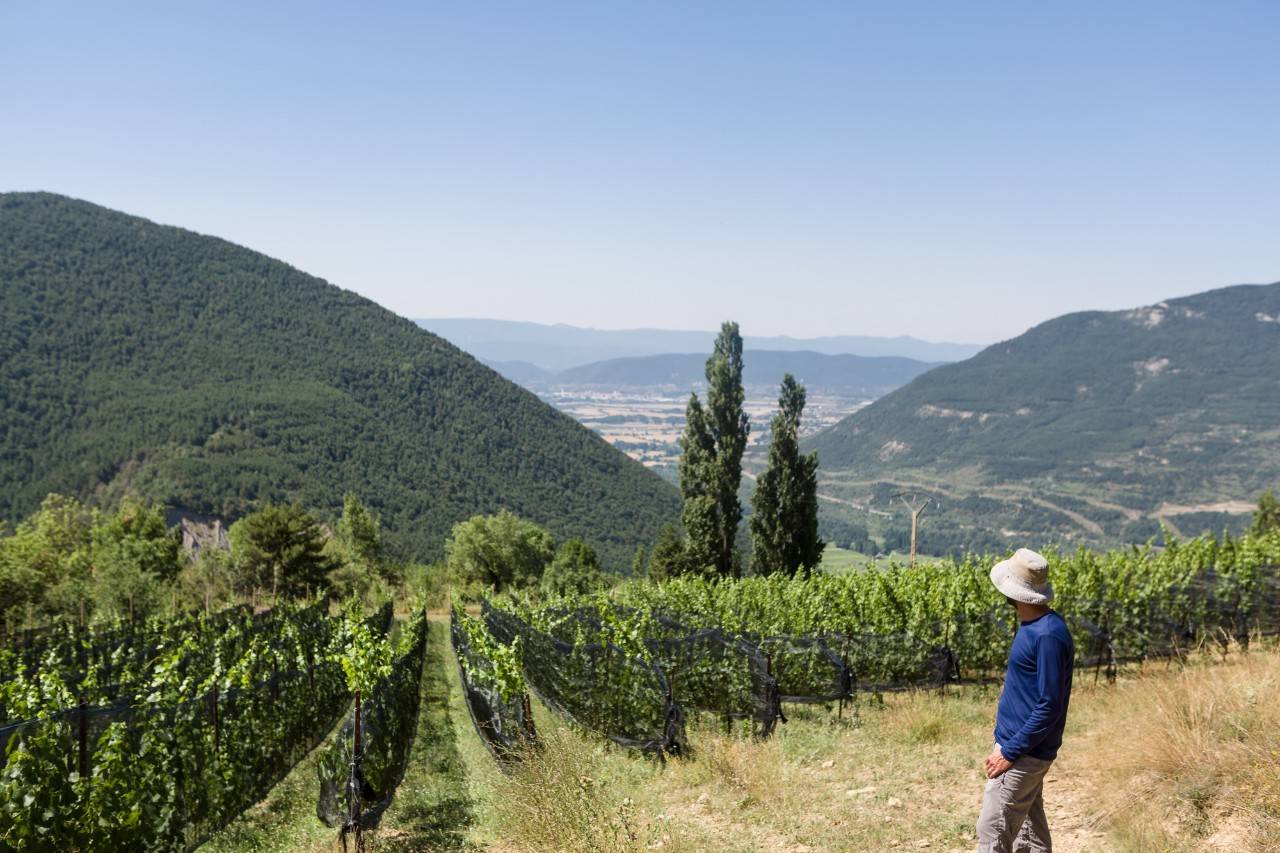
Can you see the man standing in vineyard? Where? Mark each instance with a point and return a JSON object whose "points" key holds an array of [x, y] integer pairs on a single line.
{"points": [[1032, 711]]}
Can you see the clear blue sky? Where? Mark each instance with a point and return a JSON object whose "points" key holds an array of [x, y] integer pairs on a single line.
{"points": [[953, 170]]}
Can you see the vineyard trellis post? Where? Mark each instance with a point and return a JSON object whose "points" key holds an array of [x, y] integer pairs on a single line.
{"points": [[213, 714], [311, 666], [354, 781], [526, 709], [1111, 648], [844, 664], [1111, 660], [667, 726], [82, 736], [768, 671]]}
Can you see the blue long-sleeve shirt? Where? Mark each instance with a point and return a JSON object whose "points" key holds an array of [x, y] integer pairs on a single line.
{"points": [[1037, 688]]}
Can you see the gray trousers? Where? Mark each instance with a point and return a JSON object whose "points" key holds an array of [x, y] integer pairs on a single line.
{"points": [[1013, 816]]}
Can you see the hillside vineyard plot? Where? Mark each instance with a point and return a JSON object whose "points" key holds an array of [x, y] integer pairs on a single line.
{"points": [[362, 767], [179, 739], [493, 688], [108, 663], [631, 665]]}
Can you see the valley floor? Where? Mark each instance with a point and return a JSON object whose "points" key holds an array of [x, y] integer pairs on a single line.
{"points": [[1172, 758]]}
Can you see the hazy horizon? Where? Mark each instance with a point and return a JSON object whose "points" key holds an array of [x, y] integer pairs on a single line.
{"points": [[673, 328]]}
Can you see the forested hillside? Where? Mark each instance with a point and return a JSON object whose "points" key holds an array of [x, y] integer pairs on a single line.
{"points": [[1094, 426], [140, 358]]}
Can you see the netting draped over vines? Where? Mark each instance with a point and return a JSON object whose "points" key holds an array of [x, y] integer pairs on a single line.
{"points": [[707, 669], [494, 689], [741, 648], [364, 785], [210, 737], [598, 685], [900, 624], [111, 664], [806, 669], [76, 650]]}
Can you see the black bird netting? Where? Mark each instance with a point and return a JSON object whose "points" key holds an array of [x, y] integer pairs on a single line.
{"points": [[803, 669], [714, 672], [807, 669], [573, 653], [117, 667], [597, 685], [362, 767], [75, 650], [69, 643], [885, 662], [505, 724], [379, 621], [1212, 611], [708, 670], [165, 775], [1094, 650], [780, 669]]}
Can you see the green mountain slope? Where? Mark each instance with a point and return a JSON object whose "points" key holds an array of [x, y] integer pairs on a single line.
{"points": [[141, 357], [1090, 427]]}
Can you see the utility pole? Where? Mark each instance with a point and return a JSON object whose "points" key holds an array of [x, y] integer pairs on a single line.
{"points": [[916, 508]]}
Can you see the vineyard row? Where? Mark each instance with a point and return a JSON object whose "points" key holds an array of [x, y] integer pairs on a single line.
{"points": [[217, 714], [631, 664]]}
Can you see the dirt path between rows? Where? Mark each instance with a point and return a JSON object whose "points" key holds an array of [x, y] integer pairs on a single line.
{"points": [[432, 808], [1073, 809]]}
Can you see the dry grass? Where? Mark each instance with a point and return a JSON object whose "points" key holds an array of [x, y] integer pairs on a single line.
{"points": [[574, 795], [1189, 759], [748, 770], [1170, 759]]}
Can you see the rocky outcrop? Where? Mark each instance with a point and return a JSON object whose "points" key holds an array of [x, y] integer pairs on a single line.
{"points": [[199, 532]]}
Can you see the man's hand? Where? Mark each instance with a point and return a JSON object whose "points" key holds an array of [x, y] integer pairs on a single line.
{"points": [[996, 764]]}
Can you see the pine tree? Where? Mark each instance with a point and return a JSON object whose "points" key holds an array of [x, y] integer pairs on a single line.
{"points": [[281, 546], [714, 440], [784, 507]]}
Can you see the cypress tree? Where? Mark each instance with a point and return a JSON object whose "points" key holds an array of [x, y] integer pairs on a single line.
{"points": [[784, 507], [714, 440]]}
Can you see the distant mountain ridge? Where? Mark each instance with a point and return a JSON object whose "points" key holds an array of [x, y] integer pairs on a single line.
{"points": [[558, 347], [871, 376], [1094, 426], [142, 358]]}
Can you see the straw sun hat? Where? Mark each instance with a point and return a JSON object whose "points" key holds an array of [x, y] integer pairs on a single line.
{"points": [[1024, 577]]}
